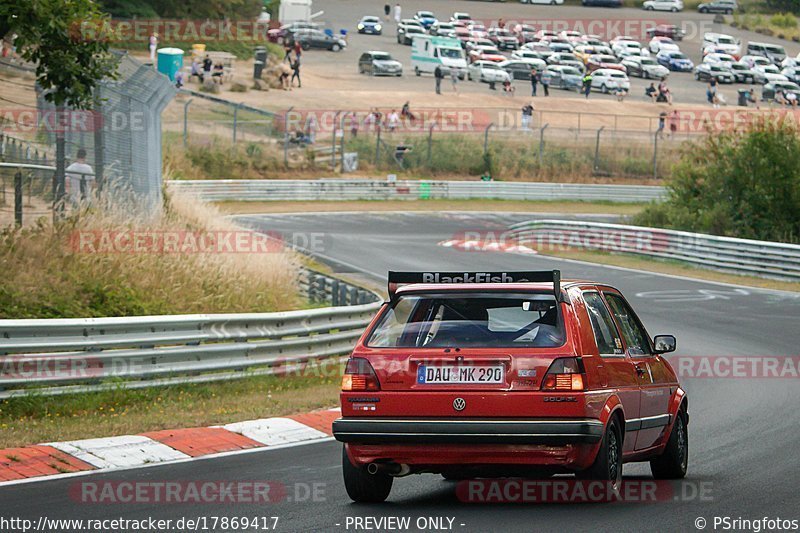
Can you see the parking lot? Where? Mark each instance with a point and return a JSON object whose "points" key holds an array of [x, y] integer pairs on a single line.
{"points": [[608, 22]]}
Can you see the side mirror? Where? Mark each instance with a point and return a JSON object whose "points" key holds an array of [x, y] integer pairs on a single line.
{"points": [[664, 343]]}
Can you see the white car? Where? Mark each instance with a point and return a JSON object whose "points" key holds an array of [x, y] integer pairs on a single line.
{"points": [[663, 5], [626, 48], [534, 61], [548, 2], [755, 61], [645, 67], [767, 74], [526, 54], [487, 71], [663, 44], [608, 80], [728, 43], [725, 60]]}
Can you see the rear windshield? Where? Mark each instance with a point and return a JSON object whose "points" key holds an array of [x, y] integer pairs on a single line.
{"points": [[473, 320]]}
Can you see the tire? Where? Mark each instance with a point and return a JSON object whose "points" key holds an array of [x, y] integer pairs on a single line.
{"points": [[649, 8], [604, 89], [697, 76], [607, 465], [646, 75], [363, 487], [703, 10], [673, 463], [335, 47], [305, 46]]}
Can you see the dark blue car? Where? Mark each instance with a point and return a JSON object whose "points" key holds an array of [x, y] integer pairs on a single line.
{"points": [[676, 61], [370, 25]]}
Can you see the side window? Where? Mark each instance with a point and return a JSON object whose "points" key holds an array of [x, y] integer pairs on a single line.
{"points": [[632, 330], [605, 332]]}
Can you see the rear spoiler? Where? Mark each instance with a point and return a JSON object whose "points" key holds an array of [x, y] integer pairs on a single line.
{"points": [[397, 279]]}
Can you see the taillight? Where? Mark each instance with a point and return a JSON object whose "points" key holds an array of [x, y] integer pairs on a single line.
{"points": [[359, 376], [565, 374]]}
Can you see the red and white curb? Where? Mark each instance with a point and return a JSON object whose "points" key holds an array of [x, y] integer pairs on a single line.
{"points": [[156, 447], [477, 245]]}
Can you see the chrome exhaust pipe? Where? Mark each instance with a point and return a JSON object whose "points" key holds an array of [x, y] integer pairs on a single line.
{"points": [[392, 469]]}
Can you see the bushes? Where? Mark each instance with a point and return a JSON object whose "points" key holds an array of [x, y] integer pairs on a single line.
{"points": [[742, 183], [783, 20]]}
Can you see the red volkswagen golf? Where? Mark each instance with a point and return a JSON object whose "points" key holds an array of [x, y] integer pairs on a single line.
{"points": [[487, 374]]}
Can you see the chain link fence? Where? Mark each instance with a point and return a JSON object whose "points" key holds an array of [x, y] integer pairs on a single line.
{"points": [[121, 135]]}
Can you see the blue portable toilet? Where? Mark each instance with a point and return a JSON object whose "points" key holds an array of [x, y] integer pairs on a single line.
{"points": [[170, 61]]}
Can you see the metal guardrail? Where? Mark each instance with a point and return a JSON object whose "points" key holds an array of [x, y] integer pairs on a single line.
{"points": [[57, 356], [342, 189], [741, 256]]}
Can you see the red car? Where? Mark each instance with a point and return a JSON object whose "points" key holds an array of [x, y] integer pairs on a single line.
{"points": [[481, 374], [485, 53], [598, 61]]}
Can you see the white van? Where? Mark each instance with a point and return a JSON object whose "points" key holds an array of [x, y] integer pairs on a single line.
{"points": [[731, 45], [428, 52]]}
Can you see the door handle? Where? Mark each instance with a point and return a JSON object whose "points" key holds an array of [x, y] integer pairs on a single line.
{"points": [[639, 370]]}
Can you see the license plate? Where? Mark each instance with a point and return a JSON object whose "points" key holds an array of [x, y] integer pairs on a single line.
{"points": [[448, 375]]}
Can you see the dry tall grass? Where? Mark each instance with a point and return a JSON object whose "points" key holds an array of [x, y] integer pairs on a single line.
{"points": [[46, 275]]}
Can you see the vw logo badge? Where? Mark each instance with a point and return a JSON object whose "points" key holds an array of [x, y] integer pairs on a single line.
{"points": [[459, 404]]}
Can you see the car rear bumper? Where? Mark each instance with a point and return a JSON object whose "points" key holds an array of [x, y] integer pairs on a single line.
{"points": [[554, 432]]}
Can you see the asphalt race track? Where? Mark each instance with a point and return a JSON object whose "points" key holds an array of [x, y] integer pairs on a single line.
{"points": [[743, 432]]}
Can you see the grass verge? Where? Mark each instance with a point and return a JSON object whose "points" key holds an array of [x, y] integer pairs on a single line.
{"points": [[431, 205], [51, 272], [672, 267], [35, 419]]}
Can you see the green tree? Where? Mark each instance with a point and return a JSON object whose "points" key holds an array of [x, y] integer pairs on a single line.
{"points": [[742, 183], [69, 65], [792, 6]]}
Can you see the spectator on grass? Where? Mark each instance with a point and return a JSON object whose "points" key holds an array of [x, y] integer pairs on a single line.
{"points": [[527, 114], [662, 120], [508, 88], [219, 73], [80, 179], [207, 66], [651, 92], [673, 123], [196, 71], [405, 112], [438, 75], [664, 93], [394, 121], [544, 79]]}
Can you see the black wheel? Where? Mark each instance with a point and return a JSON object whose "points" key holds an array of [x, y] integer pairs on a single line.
{"points": [[672, 464], [362, 486], [305, 46], [674, 9], [646, 74], [649, 8], [336, 47], [703, 10], [608, 464], [604, 89]]}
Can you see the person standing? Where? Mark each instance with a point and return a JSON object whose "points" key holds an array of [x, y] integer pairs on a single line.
{"points": [[387, 9], [80, 179], [394, 120], [587, 84], [438, 74], [207, 65], [534, 81], [673, 123], [296, 73], [662, 119], [544, 79], [527, 114], [398, 13], [454, 79], [153, 46]]}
